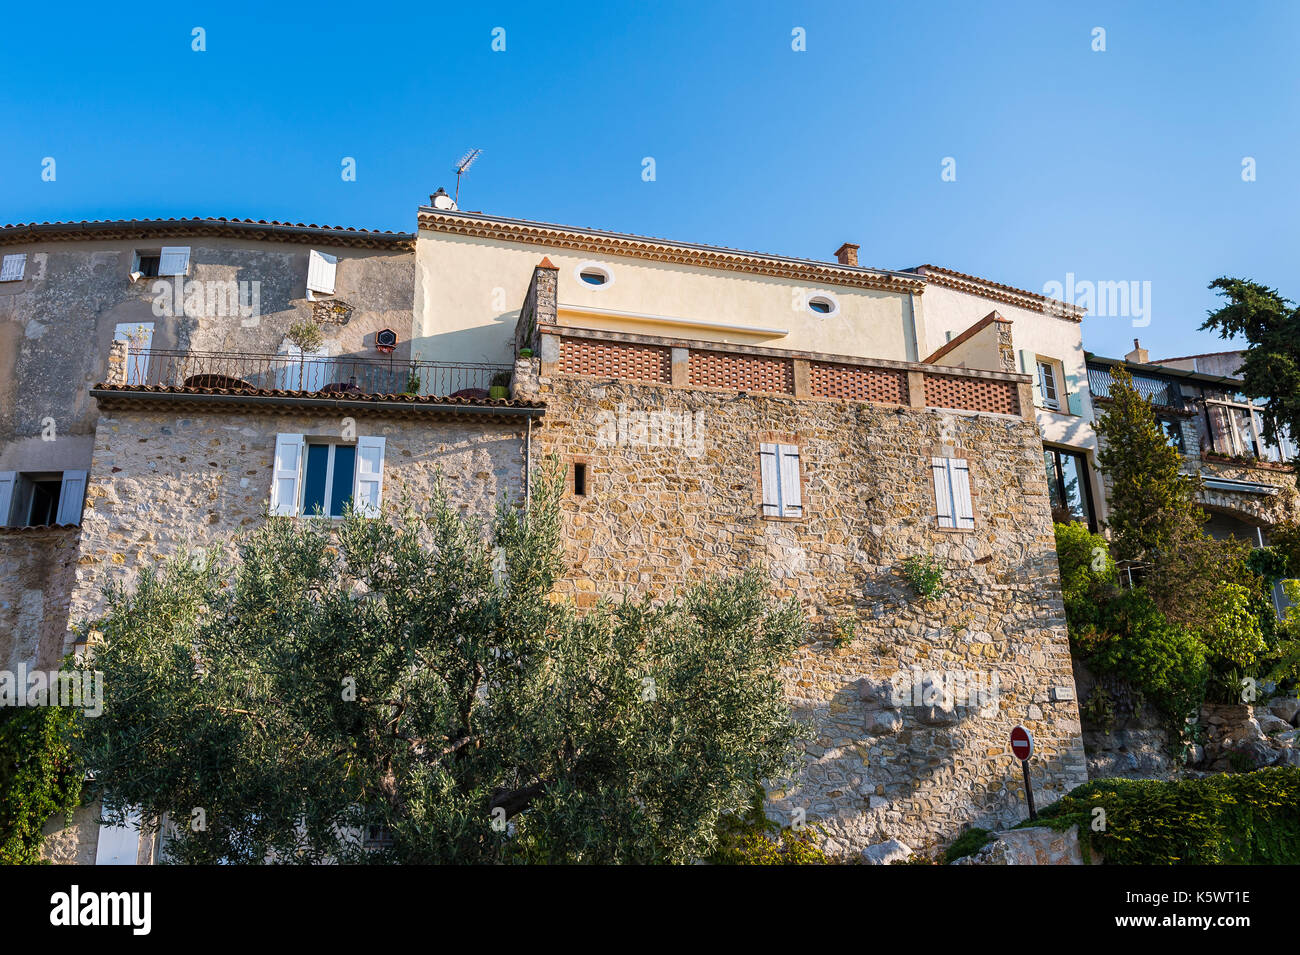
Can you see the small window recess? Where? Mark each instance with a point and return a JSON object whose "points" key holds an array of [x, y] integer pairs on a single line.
{"points": [[579, 479]]}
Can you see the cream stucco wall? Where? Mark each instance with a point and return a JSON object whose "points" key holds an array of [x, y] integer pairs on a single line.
{"points": [[469, 291]]}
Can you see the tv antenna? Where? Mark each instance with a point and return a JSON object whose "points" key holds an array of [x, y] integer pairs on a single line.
{"points": [[462, 167]]}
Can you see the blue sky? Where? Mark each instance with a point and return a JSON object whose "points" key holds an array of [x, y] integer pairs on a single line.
{"points": [[1123, 165]]}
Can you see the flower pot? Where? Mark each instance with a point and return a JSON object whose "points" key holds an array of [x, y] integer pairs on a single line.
{"points": [[498, 391]]}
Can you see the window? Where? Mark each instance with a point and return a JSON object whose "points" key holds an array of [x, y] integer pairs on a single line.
{"points": [[594, 274], [152, 263], [12, 267], [1173, 430], [39, 499], [579, 479], [952, 493], [1068, 490], [1047, 389], [139, 338], [321, 271], [779, 473], [320, 479], [823, 303]]}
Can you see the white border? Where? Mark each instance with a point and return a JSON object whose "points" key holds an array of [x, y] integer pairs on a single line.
{"points": [[829, 296]]}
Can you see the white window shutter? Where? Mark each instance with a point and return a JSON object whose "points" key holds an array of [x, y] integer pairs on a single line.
{"points": [[13, 267], [791, 498], [8, 479], [964, 512], [320, 272], [770, 473], [71, 496], [119, 845], [175, 260], [368, 489], [286, 473], [943, 492], [1028, 363]]}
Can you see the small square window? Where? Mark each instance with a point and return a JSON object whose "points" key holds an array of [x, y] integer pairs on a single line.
{"points": [[147, 263]]}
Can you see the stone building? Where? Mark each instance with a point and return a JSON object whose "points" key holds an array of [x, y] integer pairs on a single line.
{"points": [[1248, 484], [189, 297], [714, 409]]}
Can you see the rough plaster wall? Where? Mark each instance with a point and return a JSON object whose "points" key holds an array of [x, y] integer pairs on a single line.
{"points": [[161, 482], [36, 573], [56, 325], [656, 518]]}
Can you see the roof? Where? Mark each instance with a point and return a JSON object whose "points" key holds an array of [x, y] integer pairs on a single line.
{"points": [[1008, 294], [663, 250], [1158, 371], [256, 229]]}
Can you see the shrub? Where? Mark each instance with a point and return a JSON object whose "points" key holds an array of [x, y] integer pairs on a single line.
{"points": [[1232, 635], [1088, 578], [40, 775], [754, 839], [968, 843], [924, 574], [1163, 661], [1247, 818]]}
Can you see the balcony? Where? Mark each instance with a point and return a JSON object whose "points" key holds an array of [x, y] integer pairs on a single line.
{"points": [[199, 380], [235, 373]]}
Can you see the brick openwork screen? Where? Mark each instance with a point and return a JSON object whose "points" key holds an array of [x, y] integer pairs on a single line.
{"points": [[971, 394], [622, 360], [717, 369], [855, 383]]}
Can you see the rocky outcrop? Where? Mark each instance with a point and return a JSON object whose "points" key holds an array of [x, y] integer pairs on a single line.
{"points": [[1032, 846]]}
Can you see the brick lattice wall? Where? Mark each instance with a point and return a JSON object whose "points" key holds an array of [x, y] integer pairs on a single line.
{"points": [[971, 394], [621, 360], [856, 383], [714, 369]]}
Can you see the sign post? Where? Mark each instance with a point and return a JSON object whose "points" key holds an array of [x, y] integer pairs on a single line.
{"points": [[1022, 746]]}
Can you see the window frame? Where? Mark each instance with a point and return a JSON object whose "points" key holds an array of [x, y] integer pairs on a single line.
{"points": [[1085, 480]]}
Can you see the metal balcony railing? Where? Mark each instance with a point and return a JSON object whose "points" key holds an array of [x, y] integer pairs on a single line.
{"points": [[1160, 392], [336, 376]]}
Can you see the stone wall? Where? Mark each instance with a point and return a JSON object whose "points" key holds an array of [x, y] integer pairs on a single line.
{"points": [[661, 512], [164, 480], [37, 568]]}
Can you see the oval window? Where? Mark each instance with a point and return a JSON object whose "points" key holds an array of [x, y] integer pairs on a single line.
{"points": [[593, 274], [823, 304]]}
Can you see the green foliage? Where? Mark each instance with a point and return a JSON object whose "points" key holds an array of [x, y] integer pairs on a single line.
{"points": [[967, 844], [1088, 576], [417, 672], [306, 334], [1270, 367], [501, 379], [924, 574], [1232, 635], [751, 838], [1099, 709], [1163, 661], [846, 631], [40, 775], [1238, 819], [1152, 503]]}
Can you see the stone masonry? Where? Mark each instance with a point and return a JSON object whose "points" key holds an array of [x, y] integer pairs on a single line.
{"points": [[660, 512]]}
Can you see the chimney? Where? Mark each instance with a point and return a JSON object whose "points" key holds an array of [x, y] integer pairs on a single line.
{"points": [[1138, 354], [847, 254]]}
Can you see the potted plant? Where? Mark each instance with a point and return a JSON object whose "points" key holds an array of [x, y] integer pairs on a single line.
{"points": [[500, 385], [525, 353], [413, 381], [306, 337]]}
